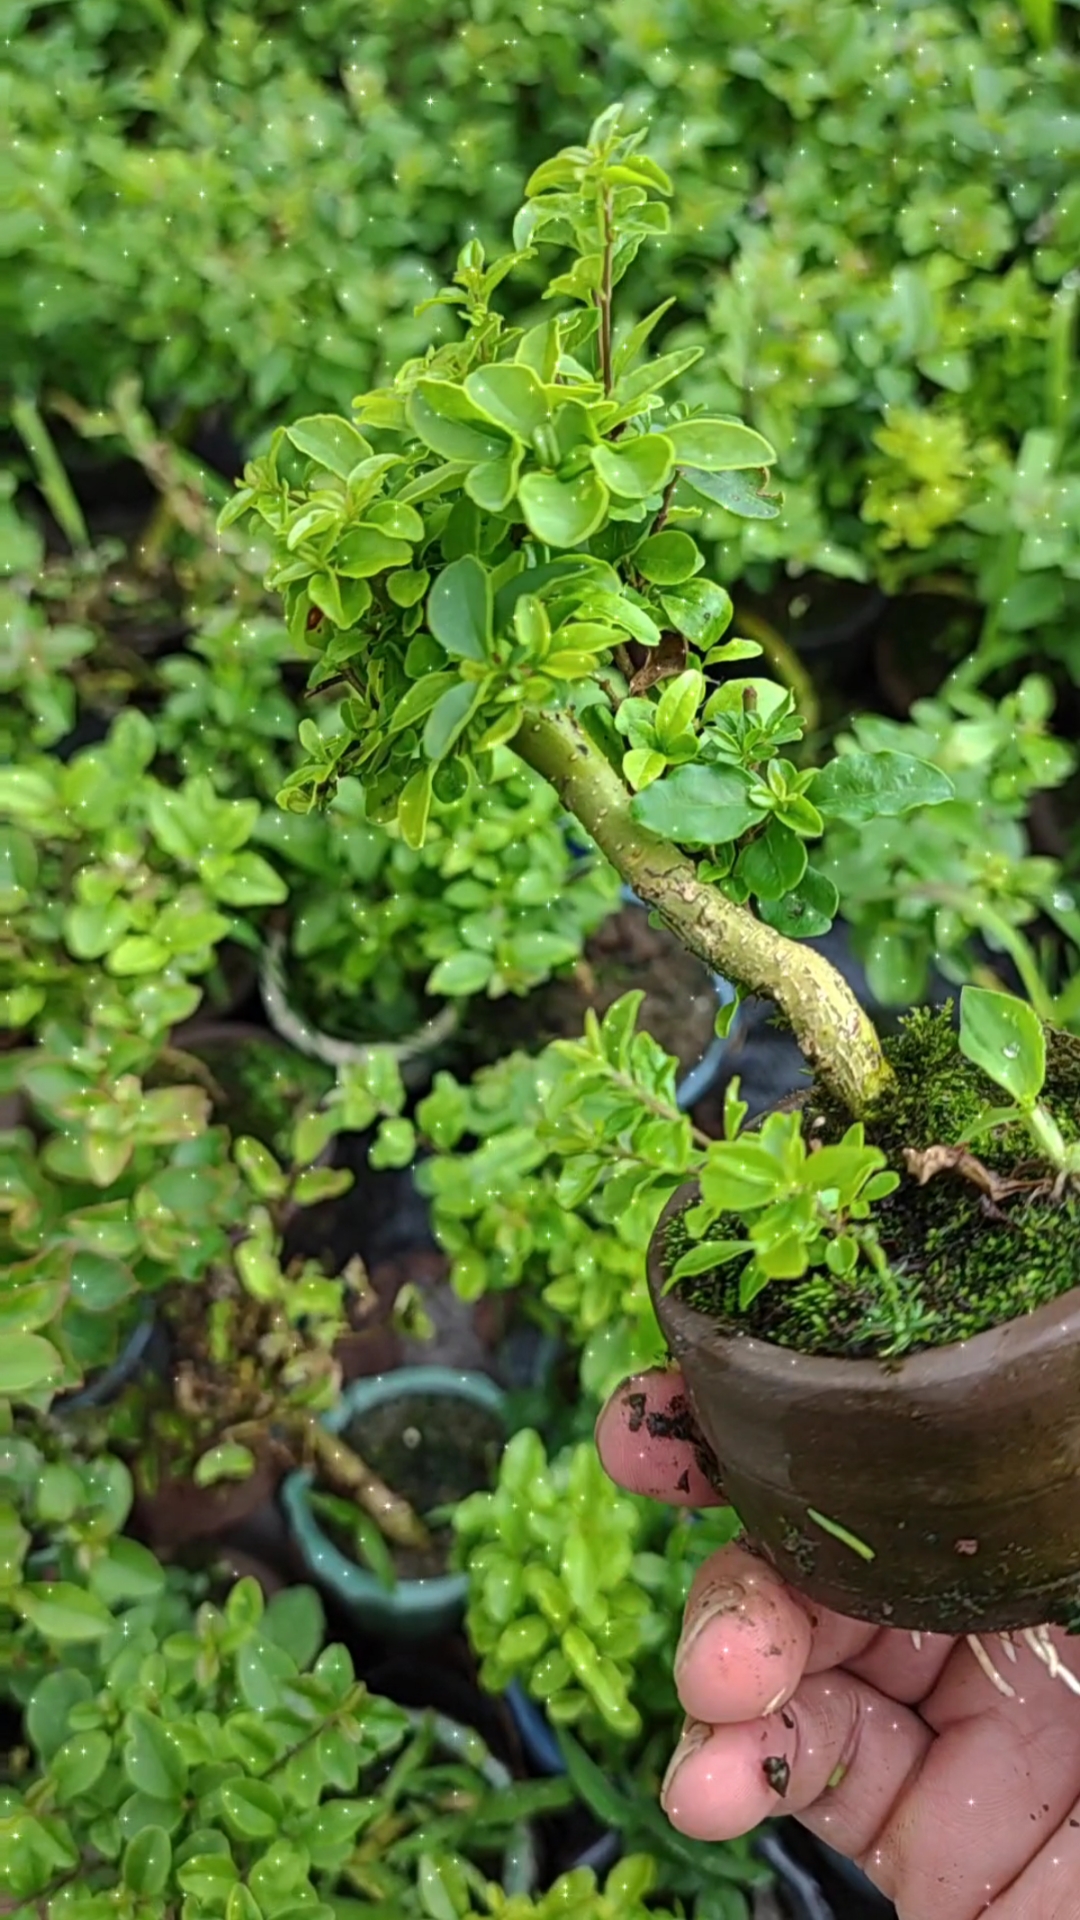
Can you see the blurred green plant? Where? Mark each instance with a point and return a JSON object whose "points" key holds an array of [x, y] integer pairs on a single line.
{"points": [[507, 1223], [118, 890], [922, 894], [874, 243], [494, 903], [232, 1758], [576, 1590]]}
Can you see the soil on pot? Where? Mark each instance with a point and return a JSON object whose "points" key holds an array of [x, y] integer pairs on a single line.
{"points": [[679, 1008], [963, 1263], [434, 1451]]}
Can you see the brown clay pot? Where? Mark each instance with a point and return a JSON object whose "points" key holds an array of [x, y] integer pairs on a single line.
{"points": [[959, 1468]]}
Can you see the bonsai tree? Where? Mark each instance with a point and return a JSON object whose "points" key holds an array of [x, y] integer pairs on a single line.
{"points": [[499, 548]]}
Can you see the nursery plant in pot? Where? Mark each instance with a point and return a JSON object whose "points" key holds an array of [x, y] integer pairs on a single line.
{"points": [[434, 1436], [387, 942], [193, 1756], [548, 494], [118, 891]]}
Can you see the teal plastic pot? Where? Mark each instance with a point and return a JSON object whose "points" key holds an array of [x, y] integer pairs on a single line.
{"points": [[415, 1609]]}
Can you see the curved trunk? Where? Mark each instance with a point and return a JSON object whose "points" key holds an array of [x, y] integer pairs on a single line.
{"points": [[835, 1035]]}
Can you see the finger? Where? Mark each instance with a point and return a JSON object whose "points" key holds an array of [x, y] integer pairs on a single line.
{"points": [[745, 1640], [904, 1666], [1047, 1888], [649, 1444], [1002, 1775], [838, 1747]]}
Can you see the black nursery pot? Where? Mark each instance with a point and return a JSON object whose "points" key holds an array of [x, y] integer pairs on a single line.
{"points": [[940, 1493]]}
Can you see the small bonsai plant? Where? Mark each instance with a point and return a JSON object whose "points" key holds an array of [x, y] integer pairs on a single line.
{"points": [[381, 933], [500, 548]]}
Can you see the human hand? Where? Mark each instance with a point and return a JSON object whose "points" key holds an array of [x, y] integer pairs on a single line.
{"points": [[898, 1751]]}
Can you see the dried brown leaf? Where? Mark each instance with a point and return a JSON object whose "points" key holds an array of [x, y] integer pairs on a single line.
{"points": [[664, 661]]}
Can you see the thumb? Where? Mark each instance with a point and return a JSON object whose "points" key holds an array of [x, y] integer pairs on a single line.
{"points": [[649, 1444]]}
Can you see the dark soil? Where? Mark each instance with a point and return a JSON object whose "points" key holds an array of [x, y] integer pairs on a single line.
{"points": [[265, 1086], [679, 1008], [434, 1452], [962, 1265]]}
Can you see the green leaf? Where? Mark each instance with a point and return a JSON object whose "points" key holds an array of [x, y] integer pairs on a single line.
{"points": [[740, 1176], [396, 518], [49, 1711], [127, 1572], [699, 610], [153, 1761], [774, 863], [641, 766], [493, 483], [807, 911], [147, 1863], [459, 609], [461, 973], [78, 1764], [1004, 1037], [414, 805], [333, 442], [408, 586], [27, 1363], [718, 446], [252, 1809], [668, 558], [208, 1877], [450, 716], [230, 1461], [61, 1611], [364, 551], [634, 469], [895, 964], [707, 1255], [447, 422], [510, 395], [677, 707], [138, 953], [856, 787], [734, 492], [563, 513], [698, 806]]}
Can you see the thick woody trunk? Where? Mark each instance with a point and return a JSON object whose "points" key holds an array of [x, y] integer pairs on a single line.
{"points": [[835, 1035]]}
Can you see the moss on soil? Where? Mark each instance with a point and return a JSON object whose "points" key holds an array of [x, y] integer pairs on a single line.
{"points": [[964, 1268]]}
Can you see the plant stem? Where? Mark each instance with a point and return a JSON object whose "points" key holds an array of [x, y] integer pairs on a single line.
{"points": [[604, 296], [346, 1473], [831, 1028], [784, 662]]}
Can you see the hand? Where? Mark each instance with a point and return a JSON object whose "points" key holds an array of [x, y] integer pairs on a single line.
{"points": [[902, 1754]]}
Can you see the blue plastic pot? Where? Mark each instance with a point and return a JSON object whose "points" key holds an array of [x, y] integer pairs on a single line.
{"points": [[104, 1387], [414, 1609]]}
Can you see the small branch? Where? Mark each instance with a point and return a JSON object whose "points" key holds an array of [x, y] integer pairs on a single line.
{"points": [[604, 297], [785, 663], [834, 1033], [346, 1473], [665, 505]]}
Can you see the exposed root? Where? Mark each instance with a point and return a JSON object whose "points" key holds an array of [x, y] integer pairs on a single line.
{"points": [[1042, 1646], [1039, 1642], [995, 1678]]}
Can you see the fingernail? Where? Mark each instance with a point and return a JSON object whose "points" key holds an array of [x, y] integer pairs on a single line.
{"points": [[725, 1602], [695, 1734]]}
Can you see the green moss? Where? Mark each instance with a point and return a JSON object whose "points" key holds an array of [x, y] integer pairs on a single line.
{"points": [[960, 1269]]}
